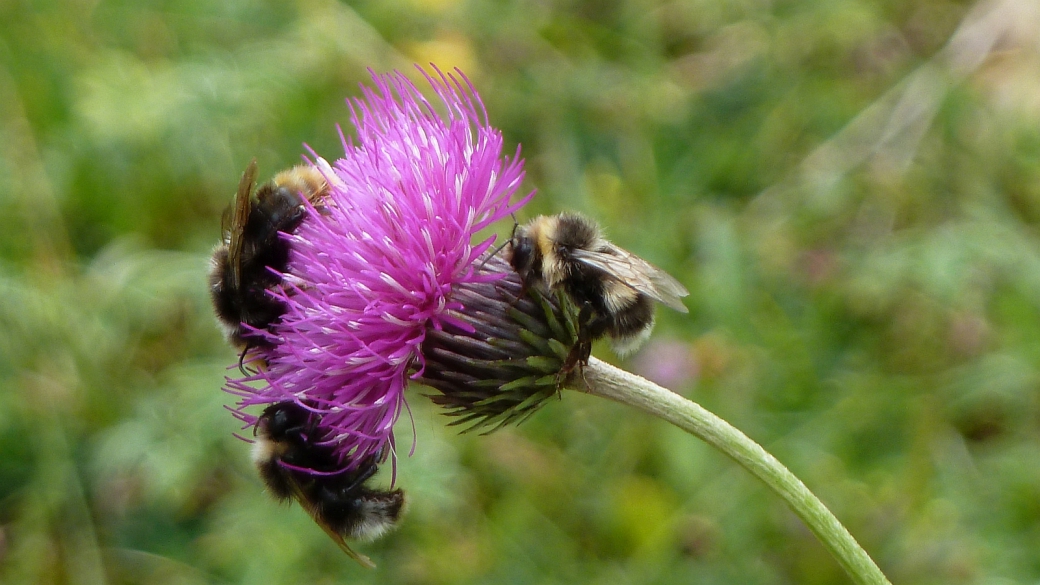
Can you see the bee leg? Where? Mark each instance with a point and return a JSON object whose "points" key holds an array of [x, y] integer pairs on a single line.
{"points": [[576, 360], [369, 469], [579, 354], [525, 286], [251, 365], [242, 361]]}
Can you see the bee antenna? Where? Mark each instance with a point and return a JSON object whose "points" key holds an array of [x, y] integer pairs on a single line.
{"points": [[492, 255], [512, 237], [516, 224]]}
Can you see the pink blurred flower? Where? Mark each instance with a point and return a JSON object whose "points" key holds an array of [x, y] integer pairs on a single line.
{"points": [[668, 362]]}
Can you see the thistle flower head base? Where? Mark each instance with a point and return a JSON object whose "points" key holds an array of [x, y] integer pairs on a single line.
{"points": [[510, 355]]}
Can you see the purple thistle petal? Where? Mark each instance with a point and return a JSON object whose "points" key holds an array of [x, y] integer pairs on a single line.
{"points": [[374, 268]]}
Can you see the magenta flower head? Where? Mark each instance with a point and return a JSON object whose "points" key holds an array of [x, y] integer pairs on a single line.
{"points": [[384, 261]]}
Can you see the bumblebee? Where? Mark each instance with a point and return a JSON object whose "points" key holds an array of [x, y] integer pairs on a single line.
{"points": [[295, 464], [614, 289], [245, 263]]}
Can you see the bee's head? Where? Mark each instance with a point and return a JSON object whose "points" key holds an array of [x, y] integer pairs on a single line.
{"points": [[280, 420], [305, 180], [522, 250], [280, 208]]}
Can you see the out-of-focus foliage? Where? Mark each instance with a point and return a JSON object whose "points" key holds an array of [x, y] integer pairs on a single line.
{"points": [[849, 188]]}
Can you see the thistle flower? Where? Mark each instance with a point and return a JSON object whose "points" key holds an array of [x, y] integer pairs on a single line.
{"points": [[387, 263]]}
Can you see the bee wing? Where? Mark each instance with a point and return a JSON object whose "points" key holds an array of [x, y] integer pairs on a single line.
{"points": [[637, 273], [362, 560], [312, 511], [670, 290], [234, 222]]}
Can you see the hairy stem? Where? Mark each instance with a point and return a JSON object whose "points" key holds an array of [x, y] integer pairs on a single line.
{"points": [[605, 380]]}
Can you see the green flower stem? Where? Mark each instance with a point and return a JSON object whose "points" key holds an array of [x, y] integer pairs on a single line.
{"points": [[605, 380]]}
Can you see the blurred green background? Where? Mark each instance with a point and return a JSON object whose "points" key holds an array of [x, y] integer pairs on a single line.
{"points": [[850, 189]]}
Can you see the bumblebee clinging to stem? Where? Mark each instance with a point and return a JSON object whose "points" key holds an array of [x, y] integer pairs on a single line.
{"points": [[614, 289], [241, 273], [295, 464]]}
